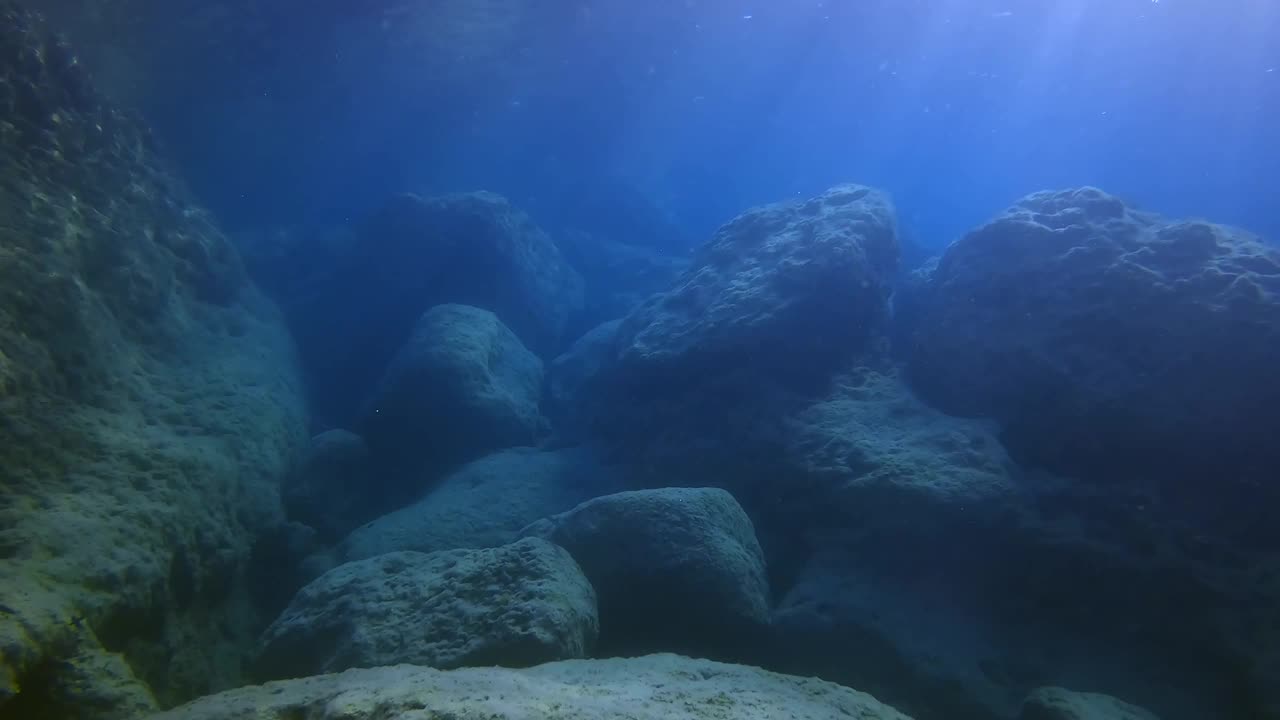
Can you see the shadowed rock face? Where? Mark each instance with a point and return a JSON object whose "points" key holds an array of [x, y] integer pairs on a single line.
{"points": [[462, 386], [365, 290], [676, 569], [1105, 340], [149, 403]]}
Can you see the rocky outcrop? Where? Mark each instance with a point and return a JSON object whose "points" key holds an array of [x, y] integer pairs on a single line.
{"points": [[675, 569], [965, 581], [781, 290], [1053, 703], [1108, 341], [462, 386], [353, 307], [782, 298], [655, 687], [516, 605], [487, 502], [149, 406]]}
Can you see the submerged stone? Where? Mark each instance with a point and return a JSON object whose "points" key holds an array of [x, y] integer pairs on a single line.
{"points": [[516, 605], [462, 386], [655, 687], [675, 568], [1106, 339], [150, 403]]}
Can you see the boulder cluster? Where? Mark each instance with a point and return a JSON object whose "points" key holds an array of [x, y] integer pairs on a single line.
{"points": [[600, 477]]}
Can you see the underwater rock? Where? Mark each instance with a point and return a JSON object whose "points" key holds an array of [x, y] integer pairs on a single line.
{"points": [[462, 386], [785, 290], [330, 490], [1053, 703], [869, 448], [1110, 342], [516, 605], [487, 502], [875, 501], [150, 403], [474, 249], [781, 299], [654, 687], [566, 402], [675, 568]]}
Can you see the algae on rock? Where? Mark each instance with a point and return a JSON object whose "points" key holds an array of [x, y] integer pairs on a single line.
{"points": [[149, 402]]}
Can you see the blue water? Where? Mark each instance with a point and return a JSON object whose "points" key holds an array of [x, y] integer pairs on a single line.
{"points": [[956, 108], [1047, 459]]}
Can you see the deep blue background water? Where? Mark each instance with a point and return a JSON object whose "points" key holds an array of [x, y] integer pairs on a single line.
{"points": [[956, 107]]}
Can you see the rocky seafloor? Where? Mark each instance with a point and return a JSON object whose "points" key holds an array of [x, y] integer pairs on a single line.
{"points": [[1033, 479]]}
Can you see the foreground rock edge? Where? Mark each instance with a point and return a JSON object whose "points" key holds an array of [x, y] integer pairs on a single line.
{"points": [[642, 688]]}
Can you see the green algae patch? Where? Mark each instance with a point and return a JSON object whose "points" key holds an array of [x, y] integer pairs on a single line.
{"points": [[149, 403]]}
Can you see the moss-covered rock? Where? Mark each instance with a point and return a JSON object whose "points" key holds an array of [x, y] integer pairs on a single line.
{"points": [[149, 402]]}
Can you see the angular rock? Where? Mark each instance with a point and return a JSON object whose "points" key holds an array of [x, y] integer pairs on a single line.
{"points": [[412, 254], [780, 300], [1054, 703], [781, 290], [655, 687], [675, 568], [462, 386], [1107, 340], [331, 490], [516, 605], [568, 400], [487, 502], [150, 403]]}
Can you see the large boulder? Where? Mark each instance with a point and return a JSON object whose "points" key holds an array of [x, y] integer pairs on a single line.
{"points": [[352, 313], [1109, 341], [654, 687], [150, 403], [516, 605], [487, 502], [462, 386], [781, 299], [675, 568], [780, 290]]}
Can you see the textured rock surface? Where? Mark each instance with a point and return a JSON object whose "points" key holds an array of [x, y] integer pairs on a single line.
{"points": [[330, 490], [780, 299], [413, 254], [149, 404], [654, 687], [1054, 703], [780, 289], [487, 502], [964, 582], [675, 568], [462, 386], [516, 605], [1107, 340]]}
